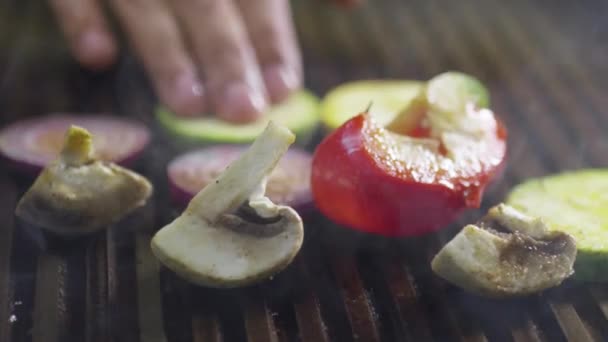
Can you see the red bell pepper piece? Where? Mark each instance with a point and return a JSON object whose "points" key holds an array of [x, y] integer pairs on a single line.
{"points": [[411, 182]]}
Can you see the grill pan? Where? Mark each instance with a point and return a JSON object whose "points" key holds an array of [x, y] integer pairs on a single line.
{"points": [[545, 64]]}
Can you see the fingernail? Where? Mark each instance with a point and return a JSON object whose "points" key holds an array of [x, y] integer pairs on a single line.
{"points": [[280, 82], [96, 49], [185, 96], [241, 103]]}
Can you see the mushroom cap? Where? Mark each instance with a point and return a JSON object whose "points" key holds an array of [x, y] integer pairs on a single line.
{"points": [[222, 254], [77, 200], [231, 234], [506, 254], [77, 194]]}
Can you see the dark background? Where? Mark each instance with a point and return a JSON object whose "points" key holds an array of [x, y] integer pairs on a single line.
{"points": [[545, 64]]}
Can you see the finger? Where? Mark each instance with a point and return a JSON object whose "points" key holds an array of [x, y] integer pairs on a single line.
{"points": [[86, 30], [154, 33], [271, 31], [225, 56]]}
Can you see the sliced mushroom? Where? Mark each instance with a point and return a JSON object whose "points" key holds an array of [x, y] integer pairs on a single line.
{"points": [[506, 253], [231, 234], [77, 194]]}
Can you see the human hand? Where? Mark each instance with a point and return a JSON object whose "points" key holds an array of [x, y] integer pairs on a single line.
{"points": [[230, 57]]}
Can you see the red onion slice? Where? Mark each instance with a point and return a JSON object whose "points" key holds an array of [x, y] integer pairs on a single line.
{"points": [[33, 143], [289, 183]]}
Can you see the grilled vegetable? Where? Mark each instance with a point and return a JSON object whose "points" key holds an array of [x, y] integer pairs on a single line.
{"points": [[346, 101], [575, 202], [32, 144], [419, 175], [299, 113], [231, 234], [288, 184], [507, 253], [77, 194]]}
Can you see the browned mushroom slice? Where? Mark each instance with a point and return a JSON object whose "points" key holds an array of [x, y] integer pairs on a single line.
{"points": [[231, 234], [77, 194], [505, 254]]}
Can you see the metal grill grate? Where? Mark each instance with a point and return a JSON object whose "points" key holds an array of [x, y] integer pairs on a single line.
{"points": [[545, 65]]}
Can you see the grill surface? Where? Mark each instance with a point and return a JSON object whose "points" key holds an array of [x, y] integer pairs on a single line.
{"points": [[544, 62]]}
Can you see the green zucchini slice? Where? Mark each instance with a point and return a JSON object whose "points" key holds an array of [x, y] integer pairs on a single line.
{"points": [[388, 98], [299, 113]]}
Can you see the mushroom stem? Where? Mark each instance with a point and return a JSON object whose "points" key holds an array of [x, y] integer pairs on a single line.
{"points": [[516, 221], [261, 204], [244, 176], [78, 146]]}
